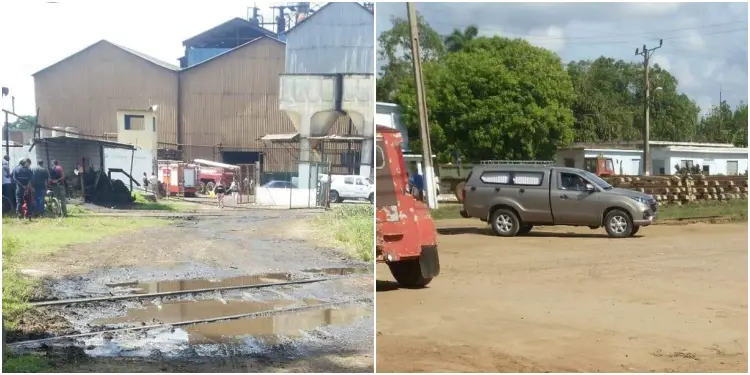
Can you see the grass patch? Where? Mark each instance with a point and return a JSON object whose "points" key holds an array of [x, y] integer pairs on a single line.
{"points": [[23, 239], [734, 209], [349, 226], [25, 363], [141, 203]]}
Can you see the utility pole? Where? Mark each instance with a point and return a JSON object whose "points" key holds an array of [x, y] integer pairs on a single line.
{"points": [[646, 53], [429, 171]]}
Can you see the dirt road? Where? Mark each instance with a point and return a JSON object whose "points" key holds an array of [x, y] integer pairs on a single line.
{"points": [[562, 299], [240, 248]]}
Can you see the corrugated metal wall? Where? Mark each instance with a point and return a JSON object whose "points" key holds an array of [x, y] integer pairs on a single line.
{"points": [[69, 154], [338, 38], [233, 99], [87, 90]]}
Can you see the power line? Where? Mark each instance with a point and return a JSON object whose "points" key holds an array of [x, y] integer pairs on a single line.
{"points": [[600, 36]]}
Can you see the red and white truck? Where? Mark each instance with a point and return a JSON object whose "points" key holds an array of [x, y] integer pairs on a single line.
{"points": [[211, 172], [178, 178]]}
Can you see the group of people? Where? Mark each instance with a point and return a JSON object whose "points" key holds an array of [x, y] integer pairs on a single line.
{"points": [[25, 186], [221, 190]]}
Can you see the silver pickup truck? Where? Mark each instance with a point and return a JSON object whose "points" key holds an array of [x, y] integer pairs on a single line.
{"points": [[515, 198]]}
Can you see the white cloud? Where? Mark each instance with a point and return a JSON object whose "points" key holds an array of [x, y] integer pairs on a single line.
{"points": [[651, 9], [663, 62], [551, 37]]}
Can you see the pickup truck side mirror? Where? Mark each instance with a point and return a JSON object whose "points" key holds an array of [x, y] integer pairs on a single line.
{"points": [[590, 188]]}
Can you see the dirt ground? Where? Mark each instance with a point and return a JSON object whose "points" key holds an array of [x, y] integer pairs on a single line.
{"points": [[240, 243], [672, 299]]}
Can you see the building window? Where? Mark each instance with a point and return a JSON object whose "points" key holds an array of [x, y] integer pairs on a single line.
{"points": [[135, 122], [706, 169], [686, 163], [153, 123], [732, 167], [570, 163], [379, 158], [502, 178]]}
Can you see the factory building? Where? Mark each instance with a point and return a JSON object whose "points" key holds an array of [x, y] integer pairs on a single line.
{"points": [[218, 104]]}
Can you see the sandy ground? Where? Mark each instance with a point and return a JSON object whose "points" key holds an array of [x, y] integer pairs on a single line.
{"points": [[674, 298], [241, 243]]}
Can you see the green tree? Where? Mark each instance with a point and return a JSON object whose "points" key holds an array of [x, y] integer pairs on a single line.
{"points": [[723, 125], [20, 124], [458, 39], [495, 99], [394, 48], [610, 102]]}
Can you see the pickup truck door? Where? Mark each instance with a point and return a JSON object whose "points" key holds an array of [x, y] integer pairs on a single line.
{"points": [[570, 202]]}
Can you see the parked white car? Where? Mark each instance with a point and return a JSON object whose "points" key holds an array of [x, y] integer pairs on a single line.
{"points": [[351, 187]]}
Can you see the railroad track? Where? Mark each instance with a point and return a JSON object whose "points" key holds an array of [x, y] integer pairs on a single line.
{"points": [[259, 314], [73, 301]]}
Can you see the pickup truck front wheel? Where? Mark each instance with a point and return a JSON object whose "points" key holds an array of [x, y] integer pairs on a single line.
{"points": [[504, 222], [618, 224]]}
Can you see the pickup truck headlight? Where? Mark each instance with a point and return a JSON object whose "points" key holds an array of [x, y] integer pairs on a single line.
{"points": [[640, 199]]}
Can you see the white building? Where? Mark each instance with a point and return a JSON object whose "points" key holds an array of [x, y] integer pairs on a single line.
{"points": [[714, 158]]}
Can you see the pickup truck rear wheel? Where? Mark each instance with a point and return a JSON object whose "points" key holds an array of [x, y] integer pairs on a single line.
{"points": [[408, 273], [618, 224], [525, 229], [504, 222]]}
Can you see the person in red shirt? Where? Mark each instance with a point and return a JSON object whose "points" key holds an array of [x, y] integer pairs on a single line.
{"points": [[57, 185]]}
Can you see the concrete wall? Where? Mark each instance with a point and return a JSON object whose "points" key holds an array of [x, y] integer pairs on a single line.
{"points": [[87, 89], [716, 161], [294, 198], [338, 38], [120, 158], [664, 159]]}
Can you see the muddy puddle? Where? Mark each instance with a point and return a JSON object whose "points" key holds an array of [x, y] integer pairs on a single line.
{"points": [[192, 284], [268, 329]]}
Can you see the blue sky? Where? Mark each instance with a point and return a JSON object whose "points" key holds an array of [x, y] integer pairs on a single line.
{"points": [[705, 44]]}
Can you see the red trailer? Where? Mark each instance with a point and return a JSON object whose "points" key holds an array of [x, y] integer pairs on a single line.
{"points": [[178, 178], [406, 233]]}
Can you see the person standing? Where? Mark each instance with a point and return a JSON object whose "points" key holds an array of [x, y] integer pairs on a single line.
{"points": [[7, 181], [41, 179], [220, 190], [153, 183], [145, 182], [57, 185], [418, 187], [23, 176], [234, 188]]}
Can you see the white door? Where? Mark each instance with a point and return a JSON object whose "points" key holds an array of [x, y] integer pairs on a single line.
{"points": [[636, 165], [361, 188], [348, 188], [732, 167]]}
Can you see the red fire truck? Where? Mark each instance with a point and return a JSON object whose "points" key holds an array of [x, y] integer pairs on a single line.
{"points": [[177, 178], [406, 234], [211, 172]]}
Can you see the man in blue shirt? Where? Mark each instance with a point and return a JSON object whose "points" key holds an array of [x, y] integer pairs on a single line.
{"points": [[23, 176], [418, 184]]}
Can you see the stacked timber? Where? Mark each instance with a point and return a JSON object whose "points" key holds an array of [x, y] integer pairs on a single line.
{"points": [[685, 189]]}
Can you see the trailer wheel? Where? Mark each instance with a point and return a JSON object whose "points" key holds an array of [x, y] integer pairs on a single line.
{"points": [[408, 273], [458, 190]]}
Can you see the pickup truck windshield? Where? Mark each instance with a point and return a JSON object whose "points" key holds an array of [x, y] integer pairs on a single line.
{"points": [[597, 180]]}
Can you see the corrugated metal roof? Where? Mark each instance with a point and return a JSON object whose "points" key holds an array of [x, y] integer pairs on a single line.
{"points": [[143, 56], [85, 141], [362, 6], [231, 24], [231, 51]]}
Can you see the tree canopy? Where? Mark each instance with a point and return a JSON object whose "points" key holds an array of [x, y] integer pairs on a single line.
{"points": [[500, 98]]}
